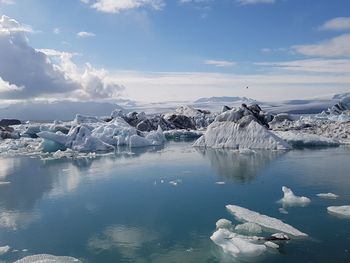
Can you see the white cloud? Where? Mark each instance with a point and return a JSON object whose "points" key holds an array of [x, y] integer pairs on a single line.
{"points": [[29, 73], [56, 30], [312, 65], [7, 2], [337, 24], [274, 85], [84, 34], [8, 25], [85, 1], [335, 47], [253, 2], [116, 6], [219, 63]]}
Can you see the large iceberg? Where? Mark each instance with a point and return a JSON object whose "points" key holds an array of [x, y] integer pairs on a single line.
{"points": [[232, 135], [104, 137], [246, 215]]}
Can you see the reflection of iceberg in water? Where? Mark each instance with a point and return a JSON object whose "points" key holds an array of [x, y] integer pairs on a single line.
{"points": [[241, 167], [32, 179]]}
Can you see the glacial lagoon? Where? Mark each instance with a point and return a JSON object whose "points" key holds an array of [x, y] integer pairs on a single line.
{"points": [[160, 204]]}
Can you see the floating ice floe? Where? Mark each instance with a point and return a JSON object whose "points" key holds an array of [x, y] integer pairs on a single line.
{"points": [[327, 195], [289, 199], [46, 258], [341, 211], [248, 228], [4, 250], [237, 245], [301, 139], [246, 215], [220, 182], [233, 135]]}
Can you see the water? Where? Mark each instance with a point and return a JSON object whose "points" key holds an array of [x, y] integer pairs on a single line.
{"points": [[122, 208]]}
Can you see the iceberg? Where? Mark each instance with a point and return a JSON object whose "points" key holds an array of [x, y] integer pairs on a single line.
{"points": [[289, 199], [104, 137], [233, 135], [246, 215], [327, 195], [46, 258], [341, 211]]}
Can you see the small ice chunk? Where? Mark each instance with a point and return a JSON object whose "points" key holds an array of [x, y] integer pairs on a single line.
{"points": [[237, 245], [247, 215], [175, 182], [341, 211], [249, 228], [46, 258], [246, 151], [283, 210], [220, 182], [4, 182], [289, 199], [280, 236], [223, 223], [4, 250], [327, 195], [271, 245]]}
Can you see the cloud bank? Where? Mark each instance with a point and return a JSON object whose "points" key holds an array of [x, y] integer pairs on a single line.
{"points": [[29, 73]]}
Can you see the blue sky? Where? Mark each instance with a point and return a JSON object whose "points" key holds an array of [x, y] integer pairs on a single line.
{"points": [[156, 50]]}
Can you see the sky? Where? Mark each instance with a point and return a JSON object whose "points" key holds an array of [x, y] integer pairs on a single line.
{"points": [[166, 50]]}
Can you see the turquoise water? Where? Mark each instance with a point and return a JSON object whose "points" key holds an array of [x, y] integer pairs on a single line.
{"points": [[122, 208]]}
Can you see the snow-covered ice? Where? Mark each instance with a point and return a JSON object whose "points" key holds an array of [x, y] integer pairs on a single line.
{"points": [[246, 215], [300, 139], [341, 211], [327, 195], [248, 228], [290, 199]]}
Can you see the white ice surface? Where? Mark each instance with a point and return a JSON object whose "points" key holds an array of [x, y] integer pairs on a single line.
{"points": [[231, 135], [327, 195], [248, 228], [341, 211], [271, 245], [4, 250], [290, 199], [271, 223], [46, 258], [237, 245]]}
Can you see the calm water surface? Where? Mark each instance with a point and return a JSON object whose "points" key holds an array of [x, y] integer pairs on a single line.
{"points": [[122, 208]]}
